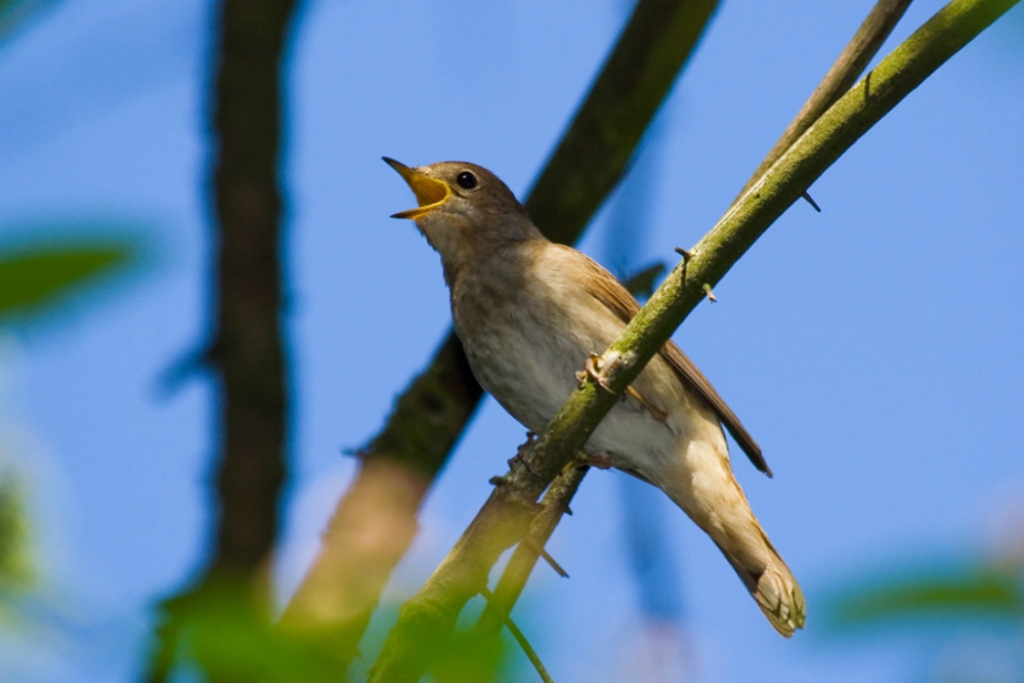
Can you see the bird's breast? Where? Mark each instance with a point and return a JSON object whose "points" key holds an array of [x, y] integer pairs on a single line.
{"points": [[519, 354], [526, 341]]}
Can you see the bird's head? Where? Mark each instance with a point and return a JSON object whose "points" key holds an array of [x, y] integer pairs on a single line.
{"points": [[464, 210]]}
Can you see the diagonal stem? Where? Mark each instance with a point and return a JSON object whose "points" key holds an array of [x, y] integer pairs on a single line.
{"points": [[844, 72], [531, 654], [554, 504]]}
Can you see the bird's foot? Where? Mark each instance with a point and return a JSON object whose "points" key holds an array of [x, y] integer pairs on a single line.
{"points": [[602, 461], [592, 369]]}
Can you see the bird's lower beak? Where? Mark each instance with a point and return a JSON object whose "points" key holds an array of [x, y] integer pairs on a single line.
{"points": [[430, 192]]}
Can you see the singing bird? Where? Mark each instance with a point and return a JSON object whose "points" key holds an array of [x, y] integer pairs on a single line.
{"points": [[530, 313]]}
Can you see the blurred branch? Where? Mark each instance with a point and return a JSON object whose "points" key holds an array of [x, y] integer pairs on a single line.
{"points": [[16, 14], [844, 72], [426, 620], [641, 283], [595, 150], [249, 361], [375, 521], [250, 358], [339, 592]]}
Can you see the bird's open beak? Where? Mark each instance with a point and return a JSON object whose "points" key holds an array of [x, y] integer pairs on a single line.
{"points": [[430, 192]]}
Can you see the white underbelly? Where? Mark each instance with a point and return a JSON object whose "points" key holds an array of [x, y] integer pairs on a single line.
{"points": [[536, 386]]}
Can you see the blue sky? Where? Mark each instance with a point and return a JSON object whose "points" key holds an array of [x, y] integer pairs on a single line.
{"points": [[874, 349]]}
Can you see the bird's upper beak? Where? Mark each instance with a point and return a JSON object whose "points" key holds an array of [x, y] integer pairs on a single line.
{"points": [[430, 192]]}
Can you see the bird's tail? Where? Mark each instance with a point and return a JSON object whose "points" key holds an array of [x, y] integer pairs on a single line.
{"points": [[773, 586]]}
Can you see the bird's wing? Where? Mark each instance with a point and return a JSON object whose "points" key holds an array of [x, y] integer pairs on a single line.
{"points": [[609, 291]]}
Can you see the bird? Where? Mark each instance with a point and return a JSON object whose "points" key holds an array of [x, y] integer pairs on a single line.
{"points": [[531, 314]]}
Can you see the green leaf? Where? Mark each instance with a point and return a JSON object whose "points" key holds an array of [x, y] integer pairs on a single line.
{"points": [[222, 628], [16, 570], [39, 276], [977, 592]]}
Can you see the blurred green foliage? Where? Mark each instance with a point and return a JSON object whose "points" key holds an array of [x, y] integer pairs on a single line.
{"points": [[35, 277], [470, 658], [964, 609], [221, 631], [974, 591], [16, 570]]}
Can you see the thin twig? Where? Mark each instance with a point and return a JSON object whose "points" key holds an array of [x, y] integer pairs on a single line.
{"points": [[510, 586], [521, 639], [810, 200], [551, 561], [844, 72]]}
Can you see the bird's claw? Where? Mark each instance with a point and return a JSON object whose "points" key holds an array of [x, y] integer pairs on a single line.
{"points": [[601, 461], [592, 369]]}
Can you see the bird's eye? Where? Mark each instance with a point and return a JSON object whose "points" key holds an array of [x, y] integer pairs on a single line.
{"points": [[466, 180]]}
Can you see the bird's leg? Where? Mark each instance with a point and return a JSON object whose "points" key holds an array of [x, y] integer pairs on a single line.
{"points": [[592, 370]]}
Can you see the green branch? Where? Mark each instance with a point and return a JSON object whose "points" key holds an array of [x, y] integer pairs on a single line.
{"points": [[426, 620], [844, 72]]}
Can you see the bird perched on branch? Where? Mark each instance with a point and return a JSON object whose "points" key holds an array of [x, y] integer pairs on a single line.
{"points": [[530, 313]]}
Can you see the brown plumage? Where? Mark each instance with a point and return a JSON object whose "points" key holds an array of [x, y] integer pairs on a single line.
{"points": [[530, 312]]}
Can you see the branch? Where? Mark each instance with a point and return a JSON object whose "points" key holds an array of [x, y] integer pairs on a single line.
{"points": [[426, 620], [520, 566], [520, 638], [851, 62], [249, 359], [369, 533], [595, 151]]}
